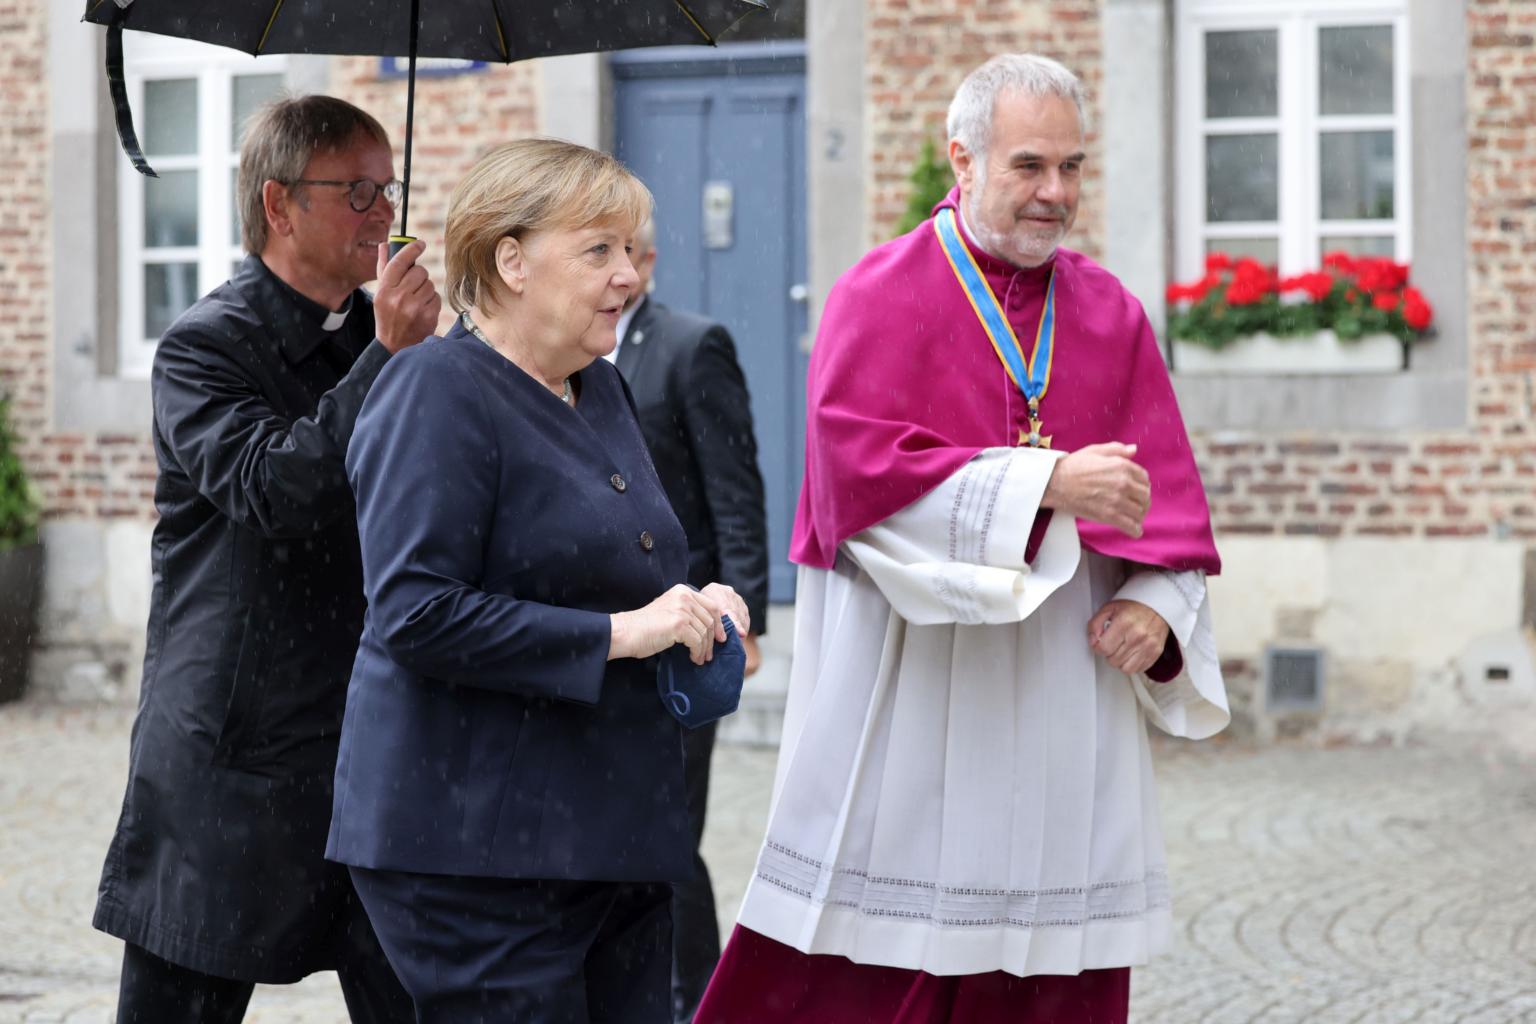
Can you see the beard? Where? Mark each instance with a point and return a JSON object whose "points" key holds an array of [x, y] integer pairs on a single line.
{"points": [[1020, 243]]}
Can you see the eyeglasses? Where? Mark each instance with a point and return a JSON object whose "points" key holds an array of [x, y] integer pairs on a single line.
{"points": [[361, 193]]}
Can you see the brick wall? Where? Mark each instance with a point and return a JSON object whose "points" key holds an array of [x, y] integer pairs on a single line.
{"points": [[24, 229], [1478, 482], [917, 52], [79, 475]]}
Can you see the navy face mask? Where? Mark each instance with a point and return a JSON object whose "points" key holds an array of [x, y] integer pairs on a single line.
{"points": [[699, 694]]}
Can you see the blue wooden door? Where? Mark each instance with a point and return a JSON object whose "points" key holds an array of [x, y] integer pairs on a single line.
{"points": [[719, 136]]}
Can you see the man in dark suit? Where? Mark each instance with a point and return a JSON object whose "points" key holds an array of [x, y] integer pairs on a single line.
{"points": [[696, 415], [215, 879]]}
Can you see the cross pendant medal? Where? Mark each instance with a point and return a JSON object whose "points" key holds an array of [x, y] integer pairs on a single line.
{"points": [[1032, 437]]}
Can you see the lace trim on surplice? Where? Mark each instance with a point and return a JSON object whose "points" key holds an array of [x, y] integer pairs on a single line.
{"points": [[952, 907]]}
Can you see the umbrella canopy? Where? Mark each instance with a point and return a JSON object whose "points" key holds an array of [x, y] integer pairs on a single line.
{"points": [[487, 30], [490, 30]]}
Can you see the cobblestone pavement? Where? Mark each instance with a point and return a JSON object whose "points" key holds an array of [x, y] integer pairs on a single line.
{"points": [[1365, 885]]}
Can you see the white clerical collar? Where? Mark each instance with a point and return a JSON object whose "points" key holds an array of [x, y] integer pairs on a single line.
{"points": [[333, 321], [622, 328], [960, 216]]}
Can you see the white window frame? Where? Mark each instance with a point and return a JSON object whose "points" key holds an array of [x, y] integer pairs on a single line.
{"points": [[154, 58], [1299, 220]]}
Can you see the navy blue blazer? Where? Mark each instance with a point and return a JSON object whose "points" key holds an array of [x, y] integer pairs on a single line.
{"points": [[486, 733]]}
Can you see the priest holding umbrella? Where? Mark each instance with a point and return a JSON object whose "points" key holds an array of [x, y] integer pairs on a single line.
{"points": [[214, 879]]}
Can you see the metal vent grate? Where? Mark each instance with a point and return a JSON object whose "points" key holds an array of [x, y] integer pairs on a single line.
{"points": [[1293, 679]]}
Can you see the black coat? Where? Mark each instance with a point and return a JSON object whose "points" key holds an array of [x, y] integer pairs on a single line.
{"points": [[487, 733], [254, 619], [697, 418]]}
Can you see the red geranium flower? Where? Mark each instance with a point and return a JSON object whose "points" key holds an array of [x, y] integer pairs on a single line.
{"points": [[1317, 285], [1341, 262], [1375, 274], [1217, 261], [1386, 301], [1417, 313], [1201, 288], [1251, 281]]}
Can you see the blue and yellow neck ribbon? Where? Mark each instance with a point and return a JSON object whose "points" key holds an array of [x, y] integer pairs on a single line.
{"points": [[1031, 374]]}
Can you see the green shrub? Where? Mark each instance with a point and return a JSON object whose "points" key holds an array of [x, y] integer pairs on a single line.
{"points": [[18, 502], [931, 181]]}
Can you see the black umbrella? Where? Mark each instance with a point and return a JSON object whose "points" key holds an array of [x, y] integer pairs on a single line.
{"points": [[486, 30]]}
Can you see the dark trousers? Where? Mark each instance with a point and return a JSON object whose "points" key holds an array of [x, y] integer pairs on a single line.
{"points": [[695, 928], [156, 991], [520, 951]]}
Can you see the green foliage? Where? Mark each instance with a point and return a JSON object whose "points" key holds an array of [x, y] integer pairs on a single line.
{"points": [[931, 181], [18, 502]]}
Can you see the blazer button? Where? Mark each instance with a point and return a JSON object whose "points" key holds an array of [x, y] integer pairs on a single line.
{"points": [[618, 483], [646, 541]]}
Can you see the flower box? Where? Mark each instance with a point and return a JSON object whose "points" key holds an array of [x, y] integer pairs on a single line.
{"points": [[1317, 353], [1356, 315]]}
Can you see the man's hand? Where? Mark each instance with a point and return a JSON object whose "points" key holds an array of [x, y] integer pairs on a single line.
{"points": [[1130, 635], [406, 306], [754, 656], [1101, 483]]}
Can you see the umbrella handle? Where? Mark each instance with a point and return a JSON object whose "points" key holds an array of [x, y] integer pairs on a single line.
{"points": [[398, 242], [410, 120]]}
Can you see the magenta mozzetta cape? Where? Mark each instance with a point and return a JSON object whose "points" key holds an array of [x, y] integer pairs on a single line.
{"points": [[905, 388]]}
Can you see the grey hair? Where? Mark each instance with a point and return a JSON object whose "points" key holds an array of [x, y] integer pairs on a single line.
{"points": [[277, 145], [970, 112]]}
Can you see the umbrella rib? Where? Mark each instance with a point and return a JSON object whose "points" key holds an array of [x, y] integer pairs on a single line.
{"points": [[277, 6], [694, 21], [501, 37]]}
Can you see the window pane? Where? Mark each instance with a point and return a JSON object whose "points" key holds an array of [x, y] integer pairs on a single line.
{"points": [[1355, 73], [170, 209], [1358, 245], [170, 117], [248, 93], [1242, 177], [1240, 74], [169, 289], [234, 204], [1356, 175], [1265, 250]]}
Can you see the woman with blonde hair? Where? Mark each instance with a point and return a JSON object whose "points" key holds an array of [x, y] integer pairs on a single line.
{"points": [[509, 792]]}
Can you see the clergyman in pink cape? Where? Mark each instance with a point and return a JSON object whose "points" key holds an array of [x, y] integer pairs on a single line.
{"points": [[1004, 545]]}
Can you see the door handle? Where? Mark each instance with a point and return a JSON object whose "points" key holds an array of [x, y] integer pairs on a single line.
{"points": [[799, 293], [719, 212]]}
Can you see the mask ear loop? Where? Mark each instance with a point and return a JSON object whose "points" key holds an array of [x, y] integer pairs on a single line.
{"points": [[681, 705]]}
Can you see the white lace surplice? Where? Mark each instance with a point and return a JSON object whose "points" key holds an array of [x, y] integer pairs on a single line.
{"points": [[963, 786]]}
